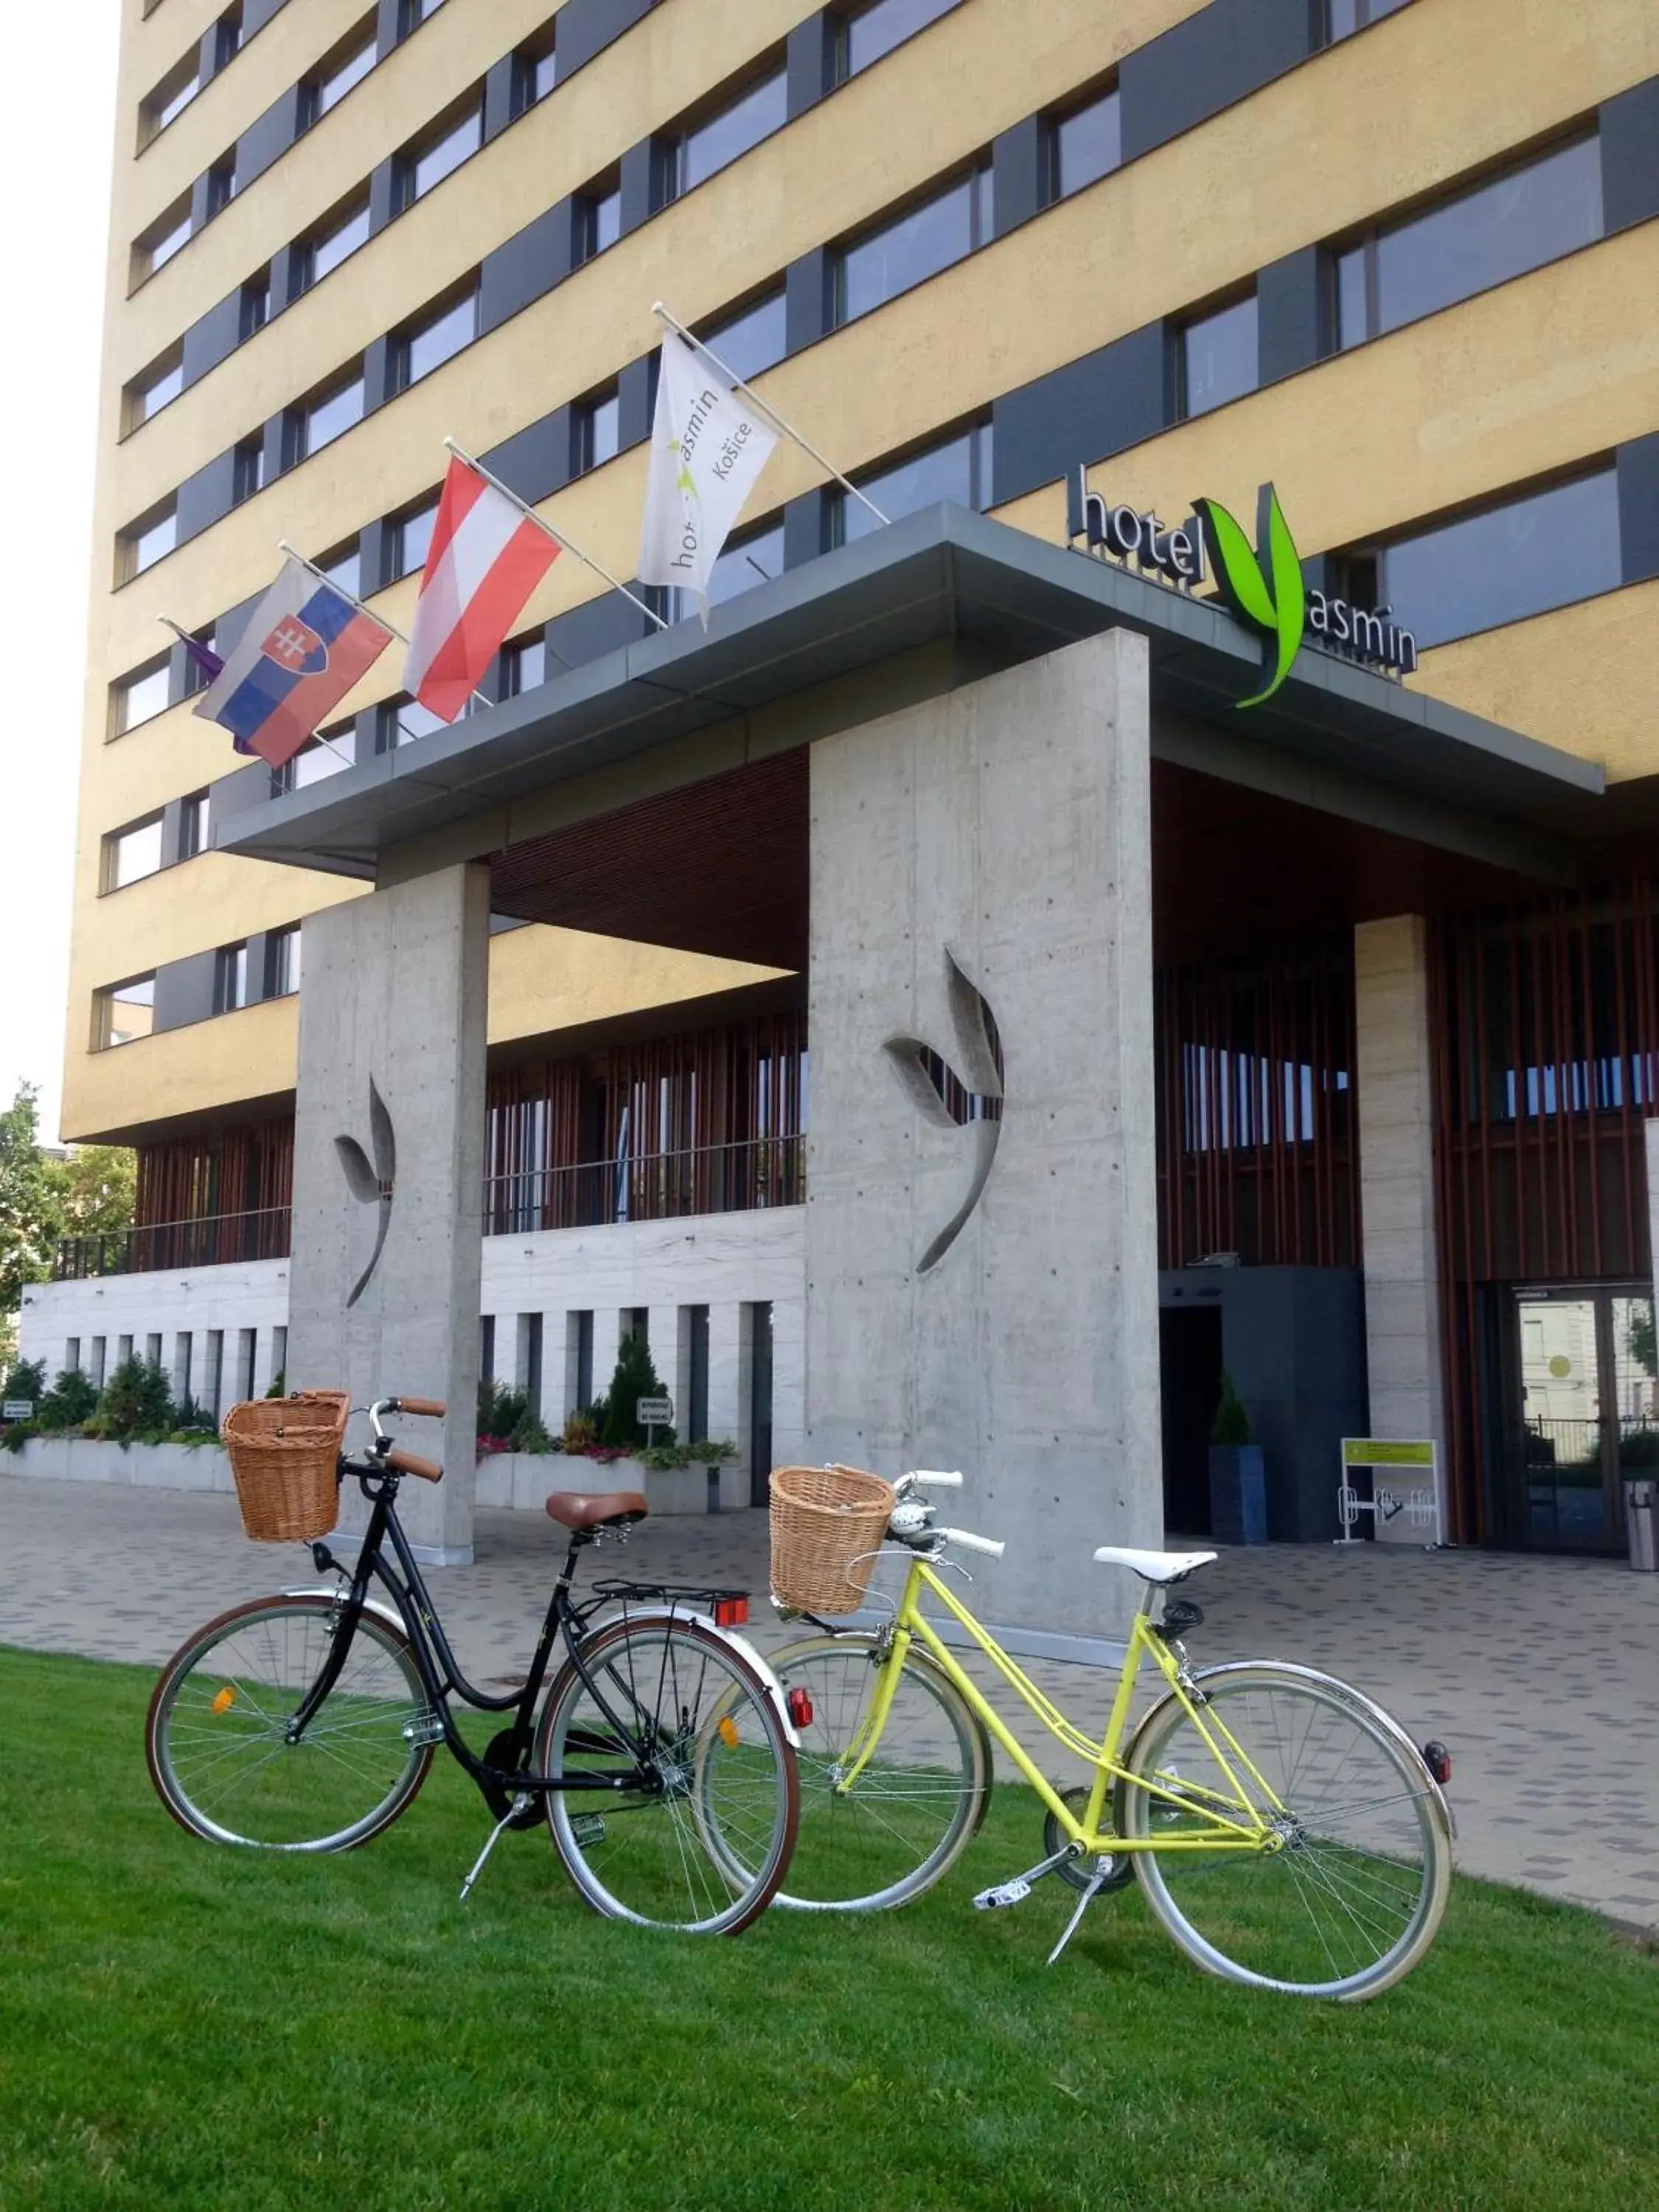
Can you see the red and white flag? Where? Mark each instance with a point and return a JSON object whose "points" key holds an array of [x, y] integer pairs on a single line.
{"points": [[485, 559]]}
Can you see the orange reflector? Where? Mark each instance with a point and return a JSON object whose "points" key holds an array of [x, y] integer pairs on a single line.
{"points": [[225, 1700], [728, 1728], [731, 1612]]}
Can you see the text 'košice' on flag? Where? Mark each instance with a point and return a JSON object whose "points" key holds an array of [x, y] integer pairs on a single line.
{"points": [[306, 647], [708, 446], [486, 557]]}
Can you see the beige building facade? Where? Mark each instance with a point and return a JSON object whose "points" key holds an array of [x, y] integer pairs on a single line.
{"points": [[1400, 258]]}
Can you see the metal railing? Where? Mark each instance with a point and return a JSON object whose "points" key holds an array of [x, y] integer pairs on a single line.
{"points": [[762, 1172], [216, 1240]]}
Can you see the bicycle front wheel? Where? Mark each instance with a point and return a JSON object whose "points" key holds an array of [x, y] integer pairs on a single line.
{"points": [[699, 1833], [216, 1737], [916, 1802], [1345, 1896]]}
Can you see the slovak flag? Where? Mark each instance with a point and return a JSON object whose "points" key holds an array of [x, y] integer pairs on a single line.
{"points": [[486, 557], [306, 647]]}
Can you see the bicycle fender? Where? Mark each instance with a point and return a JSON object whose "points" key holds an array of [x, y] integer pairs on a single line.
{"points": [[741, 1645], [376, 1605]]}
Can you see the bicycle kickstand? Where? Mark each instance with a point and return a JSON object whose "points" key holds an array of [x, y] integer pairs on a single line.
{"points": [[1096, 1882], [519, 1805]]}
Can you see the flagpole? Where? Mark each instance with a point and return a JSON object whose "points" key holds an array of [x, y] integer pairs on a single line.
{"points": [[541, 522], [323, 577], [770, 413]]}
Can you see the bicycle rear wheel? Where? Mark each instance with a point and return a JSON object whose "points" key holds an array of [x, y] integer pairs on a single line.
{"points": [[1350, 1898], [915, 1805], [700, 1839], [216, 1737]]}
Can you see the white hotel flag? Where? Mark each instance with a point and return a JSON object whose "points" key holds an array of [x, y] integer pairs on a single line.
{"points": [[708, 446]]}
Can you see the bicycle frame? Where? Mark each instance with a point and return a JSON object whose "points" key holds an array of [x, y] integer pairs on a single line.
{"points": [[1231, 1823], [440, 1672]]}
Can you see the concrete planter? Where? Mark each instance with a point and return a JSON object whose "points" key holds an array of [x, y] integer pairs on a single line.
{"points": [[525, 1480], [150, 1466]]}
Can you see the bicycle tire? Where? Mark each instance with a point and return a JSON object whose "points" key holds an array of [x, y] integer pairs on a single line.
{"points": [[215, 1735], [1350, 1900], [690, 1702], [851, 1856]]}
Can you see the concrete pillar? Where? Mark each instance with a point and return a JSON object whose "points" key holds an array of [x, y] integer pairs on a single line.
{"points": [[1006, 828], [392, 1016], [1396, 1188]]}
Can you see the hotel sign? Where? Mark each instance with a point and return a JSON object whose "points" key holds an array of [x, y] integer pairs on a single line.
{"points": [[1262, 586]]}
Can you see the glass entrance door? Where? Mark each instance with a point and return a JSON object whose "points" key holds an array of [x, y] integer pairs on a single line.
{"points": [[1588, 1412]]}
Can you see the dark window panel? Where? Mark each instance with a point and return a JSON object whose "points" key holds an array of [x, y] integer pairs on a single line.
{"points": [[754, 339], [1085, 145], [1518, 559], [1629, 132], [1342, 18], [587, 27], [1019, 163], [1205, 63], [536, 461], [866, 33], [531, 262], [269, 138], [1219, 357], [1292, 315], [810, 61], [808, 286], [957, 468], [1485, 236], [1112, 398], [914, 246], [1638, 467]]}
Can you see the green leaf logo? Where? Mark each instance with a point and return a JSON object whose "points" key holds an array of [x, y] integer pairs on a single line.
{"points": [[1264, 587]]}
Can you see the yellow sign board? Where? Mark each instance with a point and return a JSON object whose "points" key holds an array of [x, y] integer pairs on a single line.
{"points": [[1375, 1451]]}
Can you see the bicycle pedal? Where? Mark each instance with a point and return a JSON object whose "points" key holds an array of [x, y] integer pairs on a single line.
{"points": [[1006, 1892]]}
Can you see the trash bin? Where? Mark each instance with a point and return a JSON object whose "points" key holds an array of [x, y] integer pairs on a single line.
{"points": [[1641, 1503]]}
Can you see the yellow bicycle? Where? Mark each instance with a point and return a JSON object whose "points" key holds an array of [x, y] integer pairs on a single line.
{"points": [[1285, 1831]]}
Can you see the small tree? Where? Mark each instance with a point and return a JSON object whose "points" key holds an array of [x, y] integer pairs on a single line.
{"points": [[138, 1400], [1231, 1425], [25, 1378], [633, 1377], [71, 1401]]}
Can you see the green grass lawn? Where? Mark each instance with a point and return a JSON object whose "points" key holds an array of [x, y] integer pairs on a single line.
{"points": [[187, 2027]]}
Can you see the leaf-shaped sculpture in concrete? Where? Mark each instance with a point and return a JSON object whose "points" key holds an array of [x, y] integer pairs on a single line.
{"points": [[372, 1186], [922, 1069]]}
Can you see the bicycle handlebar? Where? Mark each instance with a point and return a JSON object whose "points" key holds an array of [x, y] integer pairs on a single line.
{"points": [[926, 1477], [406, 1462], [435, 1406], [992, 1547]]}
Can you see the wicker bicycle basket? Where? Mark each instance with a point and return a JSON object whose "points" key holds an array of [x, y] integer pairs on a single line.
{"points": [[284, 1452], [826, 1527]]}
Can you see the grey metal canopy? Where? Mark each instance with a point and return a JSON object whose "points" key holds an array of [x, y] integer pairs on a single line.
{"points": [[840, 639]]}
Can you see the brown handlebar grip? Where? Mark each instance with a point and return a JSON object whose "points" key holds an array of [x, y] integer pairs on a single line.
{"points": [[435, 1407], [411, 1463]]}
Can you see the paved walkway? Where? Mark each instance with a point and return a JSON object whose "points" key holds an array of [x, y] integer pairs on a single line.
{"points": [[1541, 1674]]}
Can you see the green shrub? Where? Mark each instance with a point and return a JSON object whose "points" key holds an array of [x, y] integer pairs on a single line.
{"points": [[500, 1410], [136, 1401], [706, 1452], [581, 1431], [69, 1402], [14, 1437], [530, 1435], [278, 1384], [1231, 1425], [635, 1378], [192, 1417], [26, 1378]]}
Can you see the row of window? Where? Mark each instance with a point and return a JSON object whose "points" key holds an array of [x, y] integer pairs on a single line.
{"points": [[703, 142], [1481, 236], [124, 1012], [145, 847], [345, 65]]}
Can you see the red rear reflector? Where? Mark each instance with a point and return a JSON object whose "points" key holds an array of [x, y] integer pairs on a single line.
{"points": [[801, 1708], [731, 1612], [1437, 1759]]}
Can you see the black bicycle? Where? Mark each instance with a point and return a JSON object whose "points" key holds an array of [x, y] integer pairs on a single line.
{"points": [[662, 1759]]}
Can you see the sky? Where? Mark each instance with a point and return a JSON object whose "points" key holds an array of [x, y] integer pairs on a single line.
{"points": [[48, 405]]}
